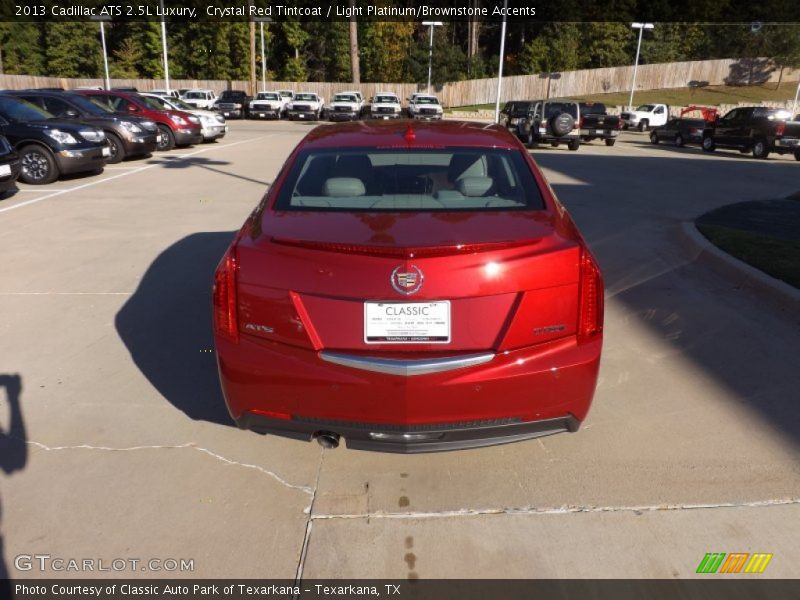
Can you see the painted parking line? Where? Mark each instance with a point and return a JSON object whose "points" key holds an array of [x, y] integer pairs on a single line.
{"points": [[129, 172]]}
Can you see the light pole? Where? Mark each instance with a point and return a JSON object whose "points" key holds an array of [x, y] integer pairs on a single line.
{"points": [[164, 45], [102, 19], [641, 27], [500, 68], [432, 24], [261, 21], [794, 106]]}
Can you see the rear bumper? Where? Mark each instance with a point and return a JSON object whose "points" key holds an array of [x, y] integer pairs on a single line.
{"points": [[8, 182], [599, 133], [411, 439], [525, 393]]}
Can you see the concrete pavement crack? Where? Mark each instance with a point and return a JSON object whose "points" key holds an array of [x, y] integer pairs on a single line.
{"points": [[560, 510], [189, 445], [309, 524]]}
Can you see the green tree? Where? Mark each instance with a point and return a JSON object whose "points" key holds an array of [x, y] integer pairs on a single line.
{"points": [[606, 45], [556, 48], [72, 49], [385, 46], [126, 61], [21, 46]]}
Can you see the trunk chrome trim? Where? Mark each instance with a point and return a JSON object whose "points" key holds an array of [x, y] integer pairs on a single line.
{"points": [[406, 368]]}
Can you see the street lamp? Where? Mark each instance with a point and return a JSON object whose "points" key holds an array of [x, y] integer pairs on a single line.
{"points": [[164, 45], [261, 21], [500, 68], [102, 19], [432, 24], [641, 27]]}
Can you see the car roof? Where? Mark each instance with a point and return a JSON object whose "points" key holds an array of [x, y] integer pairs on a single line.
{"points": [[431, 134]]}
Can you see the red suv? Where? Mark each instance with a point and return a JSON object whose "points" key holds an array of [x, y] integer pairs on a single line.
{"points": [[175, 127]]}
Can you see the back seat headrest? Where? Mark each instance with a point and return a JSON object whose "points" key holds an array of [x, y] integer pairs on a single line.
{"points": [[343, 187], [475, 186]]}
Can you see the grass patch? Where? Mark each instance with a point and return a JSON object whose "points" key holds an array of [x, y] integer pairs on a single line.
{"points": [[713, 95], [775, 256]]}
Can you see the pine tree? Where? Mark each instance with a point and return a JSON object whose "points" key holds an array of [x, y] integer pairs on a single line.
{"points": [[73, 49], [22, 48]]}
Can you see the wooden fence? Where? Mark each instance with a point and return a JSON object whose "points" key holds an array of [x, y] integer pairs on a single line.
{"points": [[482, 91]]}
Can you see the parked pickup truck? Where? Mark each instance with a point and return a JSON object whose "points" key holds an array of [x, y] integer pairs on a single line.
{"points": [[346, 106], [756, 129], [306, 106], [267, 105], [646, 116], [553, 121], [596, 123], [424, 106]]}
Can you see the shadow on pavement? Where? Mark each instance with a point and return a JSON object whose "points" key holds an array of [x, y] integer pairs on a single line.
{"points": [[633, 227], [13, 454], [176, 162], [166, 326]]}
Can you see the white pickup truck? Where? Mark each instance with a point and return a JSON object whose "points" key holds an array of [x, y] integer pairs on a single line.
{"points": [[424, 106], [267, 105], [202, 99], [645, 116], [305, 106], [346, 106], [385, 105]]}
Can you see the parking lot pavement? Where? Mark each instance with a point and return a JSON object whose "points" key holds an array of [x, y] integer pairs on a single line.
{"points": [[692, 444]]}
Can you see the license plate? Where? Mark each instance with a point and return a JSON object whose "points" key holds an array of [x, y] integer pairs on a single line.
{"points": [[227, 114], [262, 115], [5, 170], [106, 151], [301, 116], [407, 322], [598, 131]]}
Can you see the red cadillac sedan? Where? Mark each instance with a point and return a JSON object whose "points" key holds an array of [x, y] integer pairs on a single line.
{"points": [[411, 288]]}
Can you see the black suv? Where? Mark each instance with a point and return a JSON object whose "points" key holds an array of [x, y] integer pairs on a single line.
{"points": [[49, 147], [127, 135], [233, 104], [9, 165]]}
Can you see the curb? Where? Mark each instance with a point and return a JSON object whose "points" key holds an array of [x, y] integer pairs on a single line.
{"points": [[738, 272]]}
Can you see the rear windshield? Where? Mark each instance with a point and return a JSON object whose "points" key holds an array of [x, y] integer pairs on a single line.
{"points": [[392, 180], [777, 114], [593, 108]]}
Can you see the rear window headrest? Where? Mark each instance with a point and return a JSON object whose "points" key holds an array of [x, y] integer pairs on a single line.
{"points": [[475, 186], [343, 187]]}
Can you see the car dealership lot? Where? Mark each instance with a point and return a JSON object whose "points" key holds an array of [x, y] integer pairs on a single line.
{"points": [[692, 444]]}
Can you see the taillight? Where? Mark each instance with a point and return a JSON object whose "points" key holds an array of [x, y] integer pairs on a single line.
{"points": [[620, 124], [780, 129], [590, 308], [580, 123], [226, 322]]}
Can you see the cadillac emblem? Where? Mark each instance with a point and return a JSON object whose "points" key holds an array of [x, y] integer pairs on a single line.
{"points": [[406, 282]]}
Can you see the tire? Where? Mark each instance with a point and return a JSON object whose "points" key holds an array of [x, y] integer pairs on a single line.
{"points": [[38, 165], [117, 149], [643, 125], [679, 141], [167, 138], [554, 144], [760, 149], [561, 124], [708, 144], [797, 155], [653, 137], [611, 142], [574, 145]]}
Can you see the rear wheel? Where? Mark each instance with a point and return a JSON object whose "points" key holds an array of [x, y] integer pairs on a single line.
{"points": [[37, 165], [554, 144], [117, 150], [167, 138], [654, 138], [679, 140], [643, 125], [760, 149], [708, 144], [611, 142], [574, 145]]}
